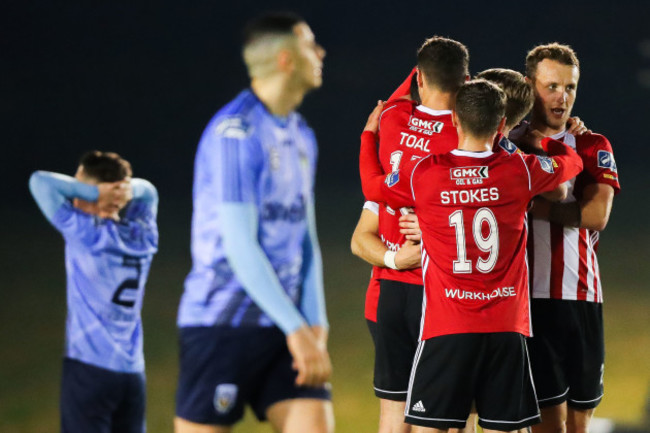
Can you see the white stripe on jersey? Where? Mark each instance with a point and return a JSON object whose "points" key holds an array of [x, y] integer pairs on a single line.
{"points": [[571, 263], [541, 259]]}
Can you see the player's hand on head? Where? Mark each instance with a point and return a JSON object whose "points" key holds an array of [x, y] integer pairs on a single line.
{"points": [[113, 196], [409, 256], [310, 357], [576, 126], [409, 227], [372, 124]]}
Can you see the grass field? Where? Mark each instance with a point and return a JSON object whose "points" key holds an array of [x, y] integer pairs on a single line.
{"points": [[32, 316]]}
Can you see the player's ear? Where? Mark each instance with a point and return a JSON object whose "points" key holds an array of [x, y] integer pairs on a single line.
{"points": [[502, 124], [419, 78], [284, 60], [454, 118]]}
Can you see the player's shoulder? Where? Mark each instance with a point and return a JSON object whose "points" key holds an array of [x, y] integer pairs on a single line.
{"points": [[591, 140], [236, 119], [398, 106]]}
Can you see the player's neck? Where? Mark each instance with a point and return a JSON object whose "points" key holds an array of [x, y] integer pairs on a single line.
{"points": [[277, 94], [470, 143], [437, 100], [543, 127]]}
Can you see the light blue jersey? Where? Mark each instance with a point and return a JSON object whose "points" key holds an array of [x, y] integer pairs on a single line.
{"points": [[254, 163], [107, 264]]}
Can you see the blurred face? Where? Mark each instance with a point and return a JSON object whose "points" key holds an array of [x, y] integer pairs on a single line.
{"points": [[555, 87], [109, 211], [309, 58]]}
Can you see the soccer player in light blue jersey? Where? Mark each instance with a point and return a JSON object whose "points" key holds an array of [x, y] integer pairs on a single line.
{"points": [[108, 222], [252, 320]]}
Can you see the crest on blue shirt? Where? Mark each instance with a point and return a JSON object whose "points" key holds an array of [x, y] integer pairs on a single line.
{"points": [[233, 127], [225, 395], [546, 163], [507, 145], [606, 160], [392, 178]]}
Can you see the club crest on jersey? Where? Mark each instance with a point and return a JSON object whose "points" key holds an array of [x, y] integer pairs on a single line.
{"points": [[606, 160], [232, 127], [546, 163], [426, 127], [225, 395], [469, 175], [392, 178], [508, 145]]}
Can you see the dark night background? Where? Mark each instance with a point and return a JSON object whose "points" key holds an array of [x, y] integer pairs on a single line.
{"points": [[143, 79]]}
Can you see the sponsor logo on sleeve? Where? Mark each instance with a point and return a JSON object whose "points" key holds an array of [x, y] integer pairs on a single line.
{"points": [[232, 127], [547, 163], [508, 145], [606, 160], [225, 395], [392, 178]]}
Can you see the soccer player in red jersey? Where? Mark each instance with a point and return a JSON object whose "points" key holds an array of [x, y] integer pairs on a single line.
{"points": [[567, 350], [408, 130], [471, 205]]}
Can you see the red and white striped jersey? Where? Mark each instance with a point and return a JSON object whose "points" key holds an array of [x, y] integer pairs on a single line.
{"points": [[407, 132], [563, 261], [471, 208]]}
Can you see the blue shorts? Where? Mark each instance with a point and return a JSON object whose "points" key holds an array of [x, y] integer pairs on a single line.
{"points": [[96, 400], [223, 368]]}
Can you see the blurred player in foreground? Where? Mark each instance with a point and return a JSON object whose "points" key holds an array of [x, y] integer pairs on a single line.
{"points": [[471, 205], [108, 221], [253, 328], [567, 350]]}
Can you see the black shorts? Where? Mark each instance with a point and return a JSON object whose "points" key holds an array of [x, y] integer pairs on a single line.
{"points": [[399, 313], [96, 400], [567, 352], [452, 371], [223, 368]]}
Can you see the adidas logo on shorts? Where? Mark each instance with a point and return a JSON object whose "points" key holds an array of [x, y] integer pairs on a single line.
{"points": [[419, 407]]}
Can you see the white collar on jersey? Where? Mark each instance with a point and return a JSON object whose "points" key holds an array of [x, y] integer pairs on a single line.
{"points": [[566, 137], [460, 152], [428, 110]]}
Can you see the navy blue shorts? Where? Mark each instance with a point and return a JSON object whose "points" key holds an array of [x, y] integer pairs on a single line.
{"points": [[96, 400], [223, 368]]}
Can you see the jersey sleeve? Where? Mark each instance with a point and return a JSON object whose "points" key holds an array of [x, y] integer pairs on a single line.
{"points": [[545, 173], [145, 200], [599, 162], [54, 193], [370, 170], [233, 157], [397, 189], [404, 89]]}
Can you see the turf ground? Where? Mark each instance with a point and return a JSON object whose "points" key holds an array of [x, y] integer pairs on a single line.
{"points": [[32, 314]]}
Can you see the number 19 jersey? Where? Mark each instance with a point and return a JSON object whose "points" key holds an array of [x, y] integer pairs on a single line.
{"points": [[472, 212], [107, 263]]}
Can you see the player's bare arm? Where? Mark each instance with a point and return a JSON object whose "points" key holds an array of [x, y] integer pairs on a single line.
{"points": [[367, 245]]}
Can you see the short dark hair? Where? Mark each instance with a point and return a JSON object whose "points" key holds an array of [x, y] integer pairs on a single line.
{"points": [[444, 63], [519, 93], [480, 106], [270, 24], [553, 51], [105, 166]]}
